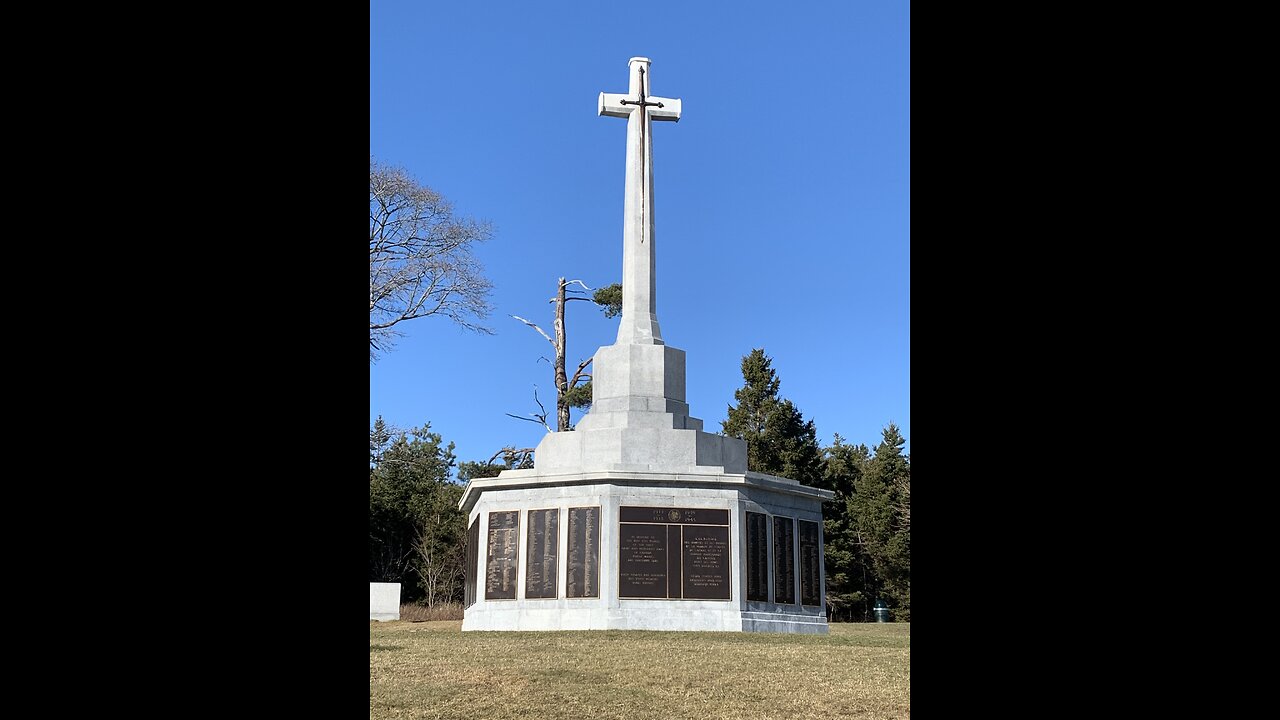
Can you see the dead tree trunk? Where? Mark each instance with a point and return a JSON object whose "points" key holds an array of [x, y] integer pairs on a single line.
{"points": [[562, 380]]}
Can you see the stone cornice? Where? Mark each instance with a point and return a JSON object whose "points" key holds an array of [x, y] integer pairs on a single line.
{"points": [[524, 479]]}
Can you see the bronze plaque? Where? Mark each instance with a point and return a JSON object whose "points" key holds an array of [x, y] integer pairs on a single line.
{"points": [[810, 564], [501, 554], [542, 561], [673, 562], [757, 557], [642, 561], [704, 562], [784, 563], [672, 516], [584, 553], [473, 555], [673, 553]]}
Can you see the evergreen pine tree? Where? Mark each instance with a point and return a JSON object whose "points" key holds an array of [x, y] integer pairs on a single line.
{"points": [[779, 440], [379, 436], [848, 569], [881, 524]]}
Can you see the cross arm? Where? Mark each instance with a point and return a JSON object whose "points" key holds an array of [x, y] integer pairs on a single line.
{"points": [[611, 104], [670, 109]]}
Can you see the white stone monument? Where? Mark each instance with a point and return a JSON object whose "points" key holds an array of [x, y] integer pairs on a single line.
{"points": [[638, 519], [384, 601]]}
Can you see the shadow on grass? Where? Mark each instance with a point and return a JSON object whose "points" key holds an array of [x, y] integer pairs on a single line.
{"points": [[375, 648]]}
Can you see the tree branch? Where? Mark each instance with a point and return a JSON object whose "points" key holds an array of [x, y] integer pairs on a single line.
{"points": [[541, 407], [535, 327], [577, 373], [535, 417], [510, 455]]}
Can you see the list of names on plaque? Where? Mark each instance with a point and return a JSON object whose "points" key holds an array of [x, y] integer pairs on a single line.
{"points": [[673, 553], [757, 557], [473, 556], [810, 564], [642, 561], [583, 579], [542, 562], [705, 561], [784, 564], [500, 558]]}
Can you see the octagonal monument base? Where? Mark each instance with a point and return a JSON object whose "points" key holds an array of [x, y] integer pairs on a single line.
{"points": [[571, 551]]}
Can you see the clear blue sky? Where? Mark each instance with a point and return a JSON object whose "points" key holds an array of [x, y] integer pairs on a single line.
{"points": [[781, 198]]}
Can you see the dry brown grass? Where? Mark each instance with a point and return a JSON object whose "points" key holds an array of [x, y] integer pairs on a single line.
{"points": [[433, 670], [419, 613]]}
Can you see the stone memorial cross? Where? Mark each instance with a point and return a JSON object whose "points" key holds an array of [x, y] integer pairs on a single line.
{"points": [[639, 325]]}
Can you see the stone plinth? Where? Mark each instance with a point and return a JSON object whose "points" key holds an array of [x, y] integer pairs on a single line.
{"points": [[639, 421]]}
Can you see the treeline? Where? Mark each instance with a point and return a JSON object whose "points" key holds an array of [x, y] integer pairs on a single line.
{"points": [[867, 526], [417, 535]]}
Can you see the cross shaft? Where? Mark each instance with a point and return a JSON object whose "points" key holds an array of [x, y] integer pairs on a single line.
{"points": [[639, 324]]}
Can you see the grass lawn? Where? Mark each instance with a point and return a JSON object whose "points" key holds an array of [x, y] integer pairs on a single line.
{"points": [[434, 670]]}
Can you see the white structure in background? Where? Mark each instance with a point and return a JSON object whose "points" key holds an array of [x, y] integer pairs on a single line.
{"points": [[384, 601]]}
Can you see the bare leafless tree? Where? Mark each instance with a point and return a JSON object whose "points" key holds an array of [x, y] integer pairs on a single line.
{"points": [[420, 258], [390, 562], [440, 563]]}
